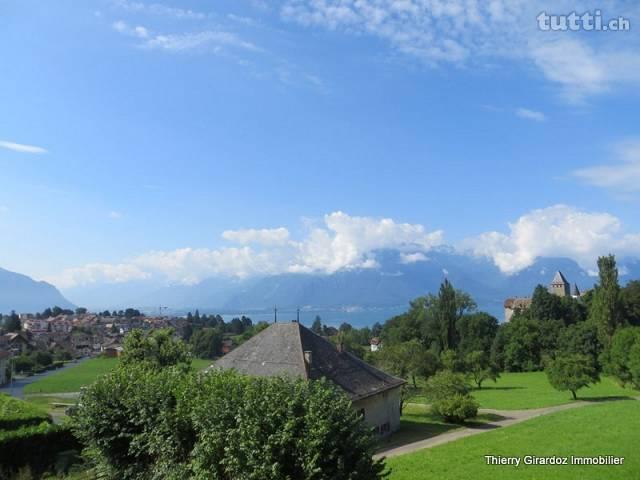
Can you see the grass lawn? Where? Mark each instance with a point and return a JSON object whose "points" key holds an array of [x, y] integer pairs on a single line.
{"points": [[608, 428], [418, 423], [72, 378], [85, 373], [516, 391]]}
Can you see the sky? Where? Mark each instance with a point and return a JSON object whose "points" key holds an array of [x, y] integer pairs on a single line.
{"points": [[179, 140]]}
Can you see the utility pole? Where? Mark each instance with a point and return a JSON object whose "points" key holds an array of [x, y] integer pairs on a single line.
{"points": [[275, 314], [298, 315]]}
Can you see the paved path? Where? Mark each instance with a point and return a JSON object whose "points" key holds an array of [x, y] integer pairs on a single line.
{"points": [[510, 417], [15, 388]]}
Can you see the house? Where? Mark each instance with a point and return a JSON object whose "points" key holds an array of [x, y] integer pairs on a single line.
{"points": [[4, 366], [17, 342], [227, 345], [293, 350], [112, 351], [35, 325], [375, 344]]}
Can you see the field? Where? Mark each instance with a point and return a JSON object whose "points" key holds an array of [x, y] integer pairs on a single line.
{"points": [[85, 373], [607, 428], [519, 391]]}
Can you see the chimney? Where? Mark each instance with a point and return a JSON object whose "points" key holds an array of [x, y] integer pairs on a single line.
{"points": [[308, 357]]}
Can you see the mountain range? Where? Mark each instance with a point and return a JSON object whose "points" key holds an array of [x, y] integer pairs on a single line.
{"points": [[392, 284], [23, 294], [372, 293]]}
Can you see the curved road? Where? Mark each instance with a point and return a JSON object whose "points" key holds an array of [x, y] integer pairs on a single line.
{"points": [[15, 388]]}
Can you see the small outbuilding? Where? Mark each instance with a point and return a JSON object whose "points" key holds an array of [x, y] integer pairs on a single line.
{"points": [[291, 349]]}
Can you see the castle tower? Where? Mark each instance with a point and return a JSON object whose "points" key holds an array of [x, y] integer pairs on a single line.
{"points": [[576, 291], [560, 286]]}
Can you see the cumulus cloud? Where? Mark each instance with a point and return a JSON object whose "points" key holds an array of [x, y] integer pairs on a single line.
{"points": [[624, 175], [531, 115], [559, 230], [415, 257], [342, 242], [464, 32], [21, 147]]}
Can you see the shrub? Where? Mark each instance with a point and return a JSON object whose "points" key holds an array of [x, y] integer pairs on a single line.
{"points": [[166, 423], [446, 384], [449, 396], [456, 409]]}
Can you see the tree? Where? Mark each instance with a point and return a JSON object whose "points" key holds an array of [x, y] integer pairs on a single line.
{"points": [[477, 332], [172, 424], [316, 327], [571, 372], [479, 368], [206, 343], [407, 360], [617, 356], [156, 350], [81, 311], [582, 338], [12, 323], [447, 315], [607, 308], [631, 300]]}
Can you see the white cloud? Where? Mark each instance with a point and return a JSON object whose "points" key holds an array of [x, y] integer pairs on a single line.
{"points": [[206, 39], [531, 115], [342, 242], [559, 230], [463, 32], [265, 236], [133, 31], [21, 148], [159, 9], [415, 257], [621, 176]]}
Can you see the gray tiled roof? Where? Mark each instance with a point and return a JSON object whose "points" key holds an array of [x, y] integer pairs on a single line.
{"points": [[559, 279], [280, 350]]}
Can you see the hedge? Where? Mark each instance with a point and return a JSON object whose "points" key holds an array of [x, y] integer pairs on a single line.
{"points": [[15, 413], [36, 447]]}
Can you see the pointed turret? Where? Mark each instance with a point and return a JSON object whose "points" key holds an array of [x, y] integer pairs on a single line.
{"points": [[576, 291], [560, 286]]}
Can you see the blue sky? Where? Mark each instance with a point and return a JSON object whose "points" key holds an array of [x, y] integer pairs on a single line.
{"points": [[134, 134]]}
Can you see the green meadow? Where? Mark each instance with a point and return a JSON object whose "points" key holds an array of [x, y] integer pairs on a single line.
{"points": [[73, 378], [520, 391], [606, 428]]}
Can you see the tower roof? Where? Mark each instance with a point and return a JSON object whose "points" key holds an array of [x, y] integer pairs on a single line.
{"points": [[280, 350], [559, 279], [576, 290]]}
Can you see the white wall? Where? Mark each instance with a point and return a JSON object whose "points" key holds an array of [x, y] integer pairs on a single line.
{"points": [[382, 411]]}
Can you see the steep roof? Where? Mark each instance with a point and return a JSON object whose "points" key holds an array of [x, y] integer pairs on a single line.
{"points": [[576, 290], [559, 279], [280, 350]]}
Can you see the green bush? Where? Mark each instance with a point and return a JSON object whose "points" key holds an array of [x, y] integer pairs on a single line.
{"points": [[142, 422], [34, 447], [449, 396], [15, 413], [456, 409]]}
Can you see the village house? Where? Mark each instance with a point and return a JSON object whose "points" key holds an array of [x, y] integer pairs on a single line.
{"points": [[35, 326], [17, 343], [375, 343], [4, 364], [294, 350]]}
